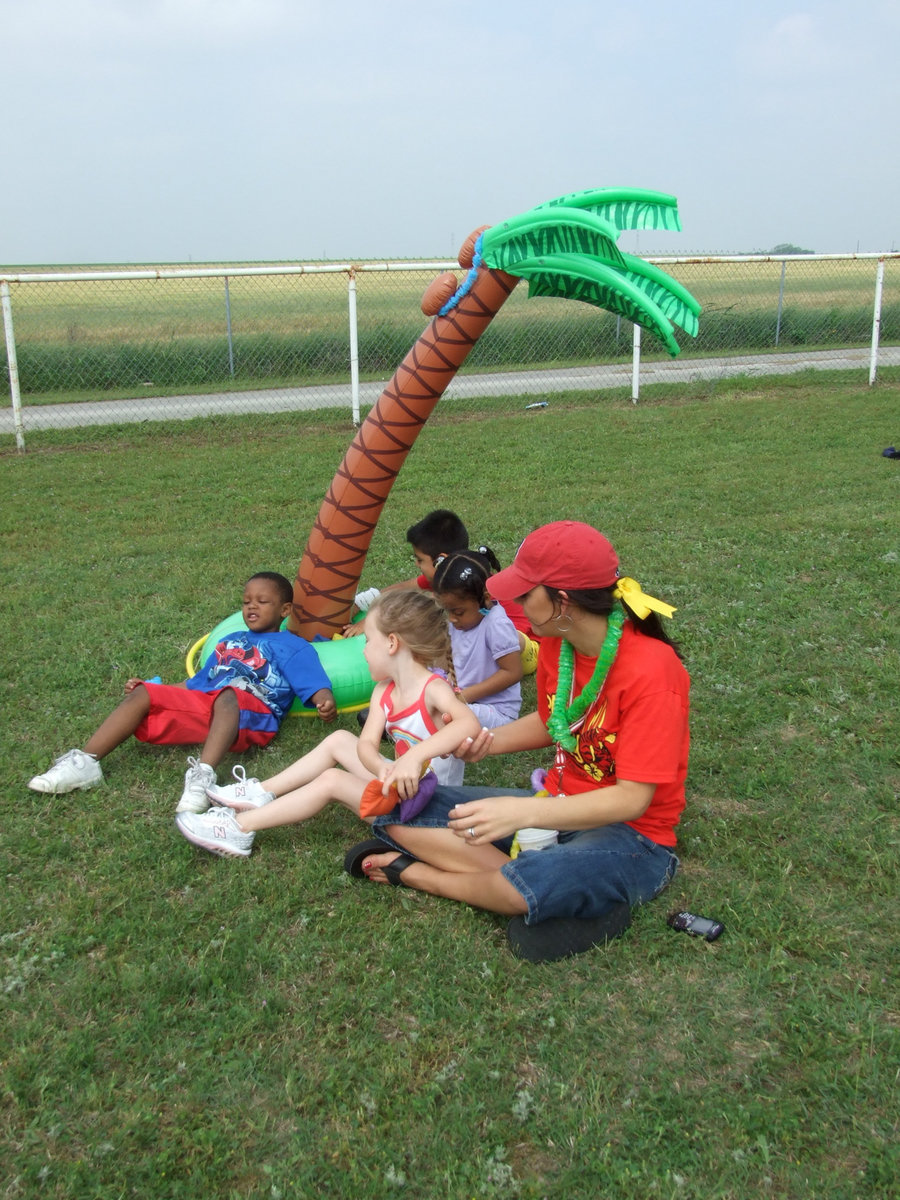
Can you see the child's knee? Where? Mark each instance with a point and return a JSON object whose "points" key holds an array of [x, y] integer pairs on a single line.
{"points": [[138, 697], [226, 703], [331, 778], [341, 739]]}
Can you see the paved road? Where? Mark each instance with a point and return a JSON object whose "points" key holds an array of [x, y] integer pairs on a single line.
{"points": [[524, 383]]}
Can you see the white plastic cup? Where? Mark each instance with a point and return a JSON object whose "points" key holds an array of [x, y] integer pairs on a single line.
{"points": [[536, 839]]}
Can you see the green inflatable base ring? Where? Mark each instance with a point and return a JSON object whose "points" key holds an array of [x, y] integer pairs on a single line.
{"points": [[342, 660]]}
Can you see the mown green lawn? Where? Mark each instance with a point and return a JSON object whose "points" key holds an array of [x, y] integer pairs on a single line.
{"points": [[176, 1025]]}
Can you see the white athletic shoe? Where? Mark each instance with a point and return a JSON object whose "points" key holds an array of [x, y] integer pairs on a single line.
{"points": [[216, 831], [73, 770], [197, 778], [245, 793]]}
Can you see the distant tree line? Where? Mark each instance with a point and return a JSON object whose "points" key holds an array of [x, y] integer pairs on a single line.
{"points": [[784, 248]]}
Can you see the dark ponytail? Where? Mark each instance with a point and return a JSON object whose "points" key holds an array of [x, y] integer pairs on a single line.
{"points": [[600, 602], [490, 558]]}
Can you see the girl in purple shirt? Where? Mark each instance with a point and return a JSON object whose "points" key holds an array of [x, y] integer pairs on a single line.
{"points": [[486, 655]]}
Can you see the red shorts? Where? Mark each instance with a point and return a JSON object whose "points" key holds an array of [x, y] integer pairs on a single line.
{"points": [[180, 717]]}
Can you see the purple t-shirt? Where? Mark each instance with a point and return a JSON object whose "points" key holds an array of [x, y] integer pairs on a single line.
{"points": [[475, 655]]}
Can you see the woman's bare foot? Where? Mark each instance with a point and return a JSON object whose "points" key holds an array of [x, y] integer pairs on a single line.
{"points": [[372, 867]]}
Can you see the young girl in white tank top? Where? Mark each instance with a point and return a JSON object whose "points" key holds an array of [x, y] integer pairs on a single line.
{"points": [[406, 636]]}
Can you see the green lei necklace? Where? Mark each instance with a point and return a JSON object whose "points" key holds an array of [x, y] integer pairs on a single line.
{"points": [[563, 715]]}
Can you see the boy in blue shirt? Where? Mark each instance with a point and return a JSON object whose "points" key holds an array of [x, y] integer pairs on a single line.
{"points": [[236, 700]]}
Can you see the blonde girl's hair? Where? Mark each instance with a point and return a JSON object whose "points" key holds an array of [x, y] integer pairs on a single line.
{"points": [[421, 624]]}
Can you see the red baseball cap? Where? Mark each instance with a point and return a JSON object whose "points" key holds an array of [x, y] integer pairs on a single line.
{"points": [[565, 554]]}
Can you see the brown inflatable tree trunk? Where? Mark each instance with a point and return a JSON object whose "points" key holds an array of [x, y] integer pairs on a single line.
{"points": [[329, 572]]}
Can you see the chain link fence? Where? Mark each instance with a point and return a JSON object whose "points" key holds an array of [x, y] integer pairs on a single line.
{"points": [[100, 346]]}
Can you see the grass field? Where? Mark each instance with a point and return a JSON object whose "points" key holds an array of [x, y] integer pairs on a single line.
{"points": [[177, 1025], [283, 303]]}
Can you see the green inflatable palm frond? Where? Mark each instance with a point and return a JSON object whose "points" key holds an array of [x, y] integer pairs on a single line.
{"points": [[557, 231], [672, 297], [624, 208], [567, 247], [595, 283]]}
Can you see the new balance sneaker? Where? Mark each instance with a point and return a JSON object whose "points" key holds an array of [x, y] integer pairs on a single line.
{"points": [[216, 831], [197, 778], [243, 794], [73, 770]]}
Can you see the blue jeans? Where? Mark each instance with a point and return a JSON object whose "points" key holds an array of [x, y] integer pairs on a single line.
{"points": [[587, 872]]}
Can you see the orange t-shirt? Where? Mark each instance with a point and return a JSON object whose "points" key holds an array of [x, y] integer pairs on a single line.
{"points": [[636, 729]]}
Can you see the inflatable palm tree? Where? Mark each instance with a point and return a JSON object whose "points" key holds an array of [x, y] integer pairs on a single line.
{"points": [[567, 248]]}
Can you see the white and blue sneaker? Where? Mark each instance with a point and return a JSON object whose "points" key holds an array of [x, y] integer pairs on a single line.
{"points": [[216, 831], [243, 794], [70, 771], [197, 778]]}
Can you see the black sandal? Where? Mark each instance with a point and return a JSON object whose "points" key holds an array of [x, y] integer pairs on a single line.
{"points": [[561, 937], [357, 855], [396, 868]]}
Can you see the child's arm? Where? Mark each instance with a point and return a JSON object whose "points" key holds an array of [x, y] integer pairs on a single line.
{"points": [[323, 699], [303, 671], [509, 671], [368, 747], [461, 723]]}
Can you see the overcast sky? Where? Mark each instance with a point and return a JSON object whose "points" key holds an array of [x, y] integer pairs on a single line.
{"points": [[158, 131]]}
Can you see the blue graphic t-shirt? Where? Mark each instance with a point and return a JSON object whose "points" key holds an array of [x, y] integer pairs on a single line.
{"points": [[275, 667]]}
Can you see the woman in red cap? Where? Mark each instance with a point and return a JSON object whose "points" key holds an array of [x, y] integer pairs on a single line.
{"points": [[613, 702]]}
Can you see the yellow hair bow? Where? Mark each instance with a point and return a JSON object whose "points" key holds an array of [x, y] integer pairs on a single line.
{"points": [[640, 604]]}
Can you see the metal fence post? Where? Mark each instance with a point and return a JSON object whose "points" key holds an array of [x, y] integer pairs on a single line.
{"points": [[228, 326], [13, 365], [636, 365], [354, 346], [780, 302], [876, 322]]}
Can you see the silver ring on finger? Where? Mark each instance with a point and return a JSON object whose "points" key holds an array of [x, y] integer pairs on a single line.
{"points": [[471, 832]]}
